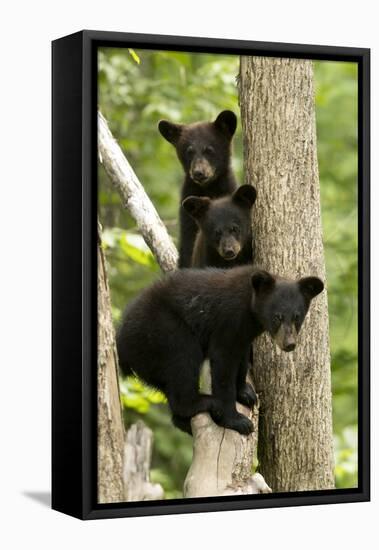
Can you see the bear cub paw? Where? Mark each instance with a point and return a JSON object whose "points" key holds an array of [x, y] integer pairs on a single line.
{"points": [[240, 423]]}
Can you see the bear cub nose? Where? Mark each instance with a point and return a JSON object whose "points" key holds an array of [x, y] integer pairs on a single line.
{"points": [[229, 253], [289, 347], [198, 174]]}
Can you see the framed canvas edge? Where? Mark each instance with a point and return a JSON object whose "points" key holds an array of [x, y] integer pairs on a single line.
{"points": [[82, 373]]}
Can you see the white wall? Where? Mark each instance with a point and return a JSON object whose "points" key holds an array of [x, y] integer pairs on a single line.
{"points": [[26, 31]]}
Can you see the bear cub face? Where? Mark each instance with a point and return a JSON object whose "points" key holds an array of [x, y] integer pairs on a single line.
{"points": [[225, 223], [203, 148], [281, 305]]}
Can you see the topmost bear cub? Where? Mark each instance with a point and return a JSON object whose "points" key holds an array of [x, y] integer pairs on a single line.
{"points": [[204, 149]]}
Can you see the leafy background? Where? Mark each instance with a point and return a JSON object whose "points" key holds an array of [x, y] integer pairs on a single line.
{"points": [[136, 89]]}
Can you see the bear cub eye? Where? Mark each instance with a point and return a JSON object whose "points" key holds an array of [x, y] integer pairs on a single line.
{"points": [[277, 319], [209, 150], [296, 317], [190, 150]]}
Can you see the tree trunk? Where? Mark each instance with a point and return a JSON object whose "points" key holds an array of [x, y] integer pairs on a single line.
{"points": [[110, 426], [295, 448], [123, 460]]}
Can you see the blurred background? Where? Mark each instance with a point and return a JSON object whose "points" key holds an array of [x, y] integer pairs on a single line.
{"points": [[136, 89]]}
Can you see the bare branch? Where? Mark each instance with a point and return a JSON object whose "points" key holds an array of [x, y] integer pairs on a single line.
{"points": [[135, 199]]}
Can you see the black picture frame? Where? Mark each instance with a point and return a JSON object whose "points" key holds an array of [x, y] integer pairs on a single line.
{"points": [[74, 293]]}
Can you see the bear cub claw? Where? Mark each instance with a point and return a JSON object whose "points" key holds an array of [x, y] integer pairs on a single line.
{"points": [[240, 423]]}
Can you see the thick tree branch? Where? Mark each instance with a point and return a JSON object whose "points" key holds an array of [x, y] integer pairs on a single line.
{"points": [[222, 459]]}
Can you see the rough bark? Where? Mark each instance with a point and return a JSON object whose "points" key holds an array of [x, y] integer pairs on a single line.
{"points": [[295, 448], [222, 458], [110, 427], [135, 199], [138, 451]]}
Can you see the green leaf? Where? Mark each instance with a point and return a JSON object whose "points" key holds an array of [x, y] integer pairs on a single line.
{"points": [[133, 249], [134, 55]]}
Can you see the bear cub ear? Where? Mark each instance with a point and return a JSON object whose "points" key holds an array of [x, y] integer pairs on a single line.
{"points": [[226, 122], [170, 131], [245, 196], [196, 206], [311, 286], [262, 281]]}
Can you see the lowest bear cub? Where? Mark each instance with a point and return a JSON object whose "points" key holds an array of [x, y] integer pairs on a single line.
{"points": [[224, 237], [204, 150], [195, 314]]}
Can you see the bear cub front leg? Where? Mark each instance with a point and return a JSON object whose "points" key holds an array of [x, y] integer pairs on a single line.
{"points": [[245, 391], [225, 373]]}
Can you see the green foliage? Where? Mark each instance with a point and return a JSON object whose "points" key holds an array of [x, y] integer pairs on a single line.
{"points": [[346, 450], [131, 265], [336, 115], [136, 90], [137, 396]]}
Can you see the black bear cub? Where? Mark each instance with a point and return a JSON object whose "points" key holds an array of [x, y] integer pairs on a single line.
{"points": [[224, 237], [204, 150], [195, 314]]}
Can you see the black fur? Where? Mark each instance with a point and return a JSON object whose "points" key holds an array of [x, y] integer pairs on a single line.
{"points": [[191, 315], [224, 237], [204, 150]]}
